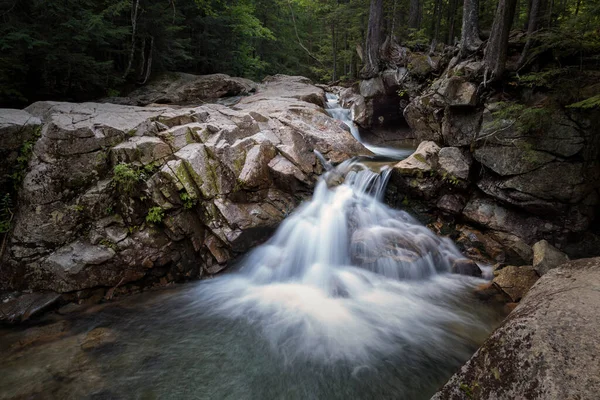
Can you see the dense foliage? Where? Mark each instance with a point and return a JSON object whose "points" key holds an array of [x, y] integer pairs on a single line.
{"points": [[81, 49]]}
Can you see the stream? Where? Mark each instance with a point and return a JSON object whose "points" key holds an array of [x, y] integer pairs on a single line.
{"points": [[349, 299]]}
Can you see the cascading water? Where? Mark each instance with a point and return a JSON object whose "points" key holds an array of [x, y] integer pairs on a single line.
{"points": [[336, 111], [349, 299], [346, 278]]}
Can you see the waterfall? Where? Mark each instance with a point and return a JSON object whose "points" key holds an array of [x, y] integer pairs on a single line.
{"points": [[345, 277], [335, 110]]}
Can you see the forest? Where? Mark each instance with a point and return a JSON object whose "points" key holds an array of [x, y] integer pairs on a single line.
{"points": [[84, 49]]}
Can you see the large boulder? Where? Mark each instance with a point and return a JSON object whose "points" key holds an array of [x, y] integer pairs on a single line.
{"points": [[548, 346], [120, 194], [181, 88]]}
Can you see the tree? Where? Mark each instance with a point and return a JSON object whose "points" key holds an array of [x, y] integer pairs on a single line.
{"points": [[374, 40], [414, 15], [470, 40], [495, 53], [536, 20]]}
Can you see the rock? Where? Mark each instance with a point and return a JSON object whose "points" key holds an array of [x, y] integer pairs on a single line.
{"points": [[547, 257], [372, 87], [560, 181], [460, 126], [423, 160], [458, 92], [16, 128], [424, 115], [511, 160], [40, 334], [20, 307], [208, 183], [464, 266], [454, 163], [561, 136], [451, 203], [97, 338], [142, 150], [547, 347], [181, 88], [516, 250], [488, 213], [515, 281]]}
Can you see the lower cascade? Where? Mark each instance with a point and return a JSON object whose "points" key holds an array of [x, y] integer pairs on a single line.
{"points": [[348, 299]]}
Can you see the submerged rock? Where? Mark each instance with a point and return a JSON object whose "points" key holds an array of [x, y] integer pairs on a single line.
{"points": [[546, 349]]}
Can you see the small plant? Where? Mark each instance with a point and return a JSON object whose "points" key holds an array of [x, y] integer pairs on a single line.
{"points": [[109, 210], [109, 244], [125, 178], [78, 207], [188, 201], [155, 215]]}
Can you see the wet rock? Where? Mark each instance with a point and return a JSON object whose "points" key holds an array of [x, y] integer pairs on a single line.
{"points": [[19, 307], [454, 163], [547, 347], [423, 160], [516, 281], [547, 257], [464, 266], [97, 338]]}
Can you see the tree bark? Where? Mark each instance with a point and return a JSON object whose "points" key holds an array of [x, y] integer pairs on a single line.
{"points": [[451, 20], [374, 40], [536, 17], [134, 14], [470, 40], [334, 53], [413, 14], [437, 17], [496, 50]]}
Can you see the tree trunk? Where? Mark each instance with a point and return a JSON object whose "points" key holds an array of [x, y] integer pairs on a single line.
{"points": [[451, 20], [536, 14], [470, 40], [495, 52], [437, 17], [413, 14], [374, 40], [334, 53], [134, 14]]}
